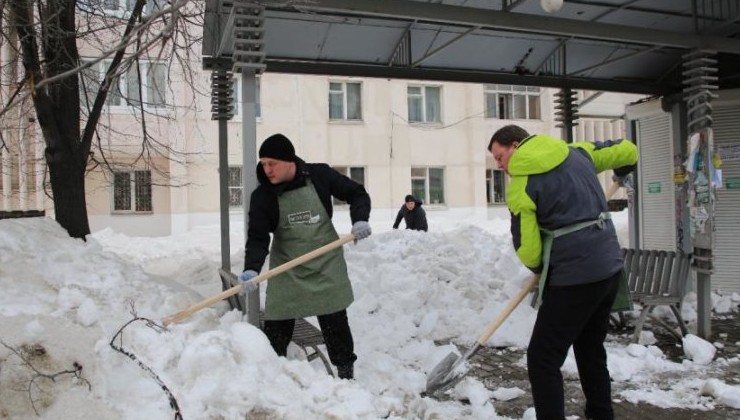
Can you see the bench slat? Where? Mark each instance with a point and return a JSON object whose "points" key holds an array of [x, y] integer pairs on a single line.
{"points": [[666, 278]]}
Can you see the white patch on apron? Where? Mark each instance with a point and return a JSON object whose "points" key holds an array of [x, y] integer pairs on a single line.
{"points": [[303, 218]]}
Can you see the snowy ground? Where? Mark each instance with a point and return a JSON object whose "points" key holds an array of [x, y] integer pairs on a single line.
{"points": [[64, 300]]}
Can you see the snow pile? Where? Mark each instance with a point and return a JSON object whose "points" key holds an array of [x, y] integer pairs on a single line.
{"points": [[726, 394], [698, 349], [64, 300]]}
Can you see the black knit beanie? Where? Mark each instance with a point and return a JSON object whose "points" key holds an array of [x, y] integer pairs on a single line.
{"points": [[410, 198], [277, 146]]}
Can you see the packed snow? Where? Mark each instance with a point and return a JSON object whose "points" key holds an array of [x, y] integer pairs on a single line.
{"points": [[64, 300]]}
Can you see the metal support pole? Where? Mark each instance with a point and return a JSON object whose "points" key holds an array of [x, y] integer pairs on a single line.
{"points": [[700, 69], [703, 304], [249, 159], [633, 195], [248, 59], [222, 109], [223, 187]]}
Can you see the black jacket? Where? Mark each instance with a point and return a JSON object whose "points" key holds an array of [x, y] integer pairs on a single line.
{"points": [[264, 212], [416, 219]]}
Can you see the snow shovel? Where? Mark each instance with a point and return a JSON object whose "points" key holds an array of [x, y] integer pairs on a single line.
{"points": [[256, 280], [452, 369]]}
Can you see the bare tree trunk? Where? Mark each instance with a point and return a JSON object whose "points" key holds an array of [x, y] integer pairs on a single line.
{"points": [[57, 105], [67, 177]]}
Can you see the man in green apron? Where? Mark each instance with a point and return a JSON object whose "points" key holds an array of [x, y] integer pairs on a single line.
{"points": [[293, 202], [561, 228]]}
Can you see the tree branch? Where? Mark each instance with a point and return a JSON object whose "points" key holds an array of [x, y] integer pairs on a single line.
{"points": [[38, 374]]}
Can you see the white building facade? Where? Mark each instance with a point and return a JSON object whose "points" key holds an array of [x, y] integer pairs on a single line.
{"points": [[394, 136]]}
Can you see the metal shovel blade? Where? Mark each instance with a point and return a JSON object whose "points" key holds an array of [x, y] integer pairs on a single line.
{"points": [[451, 370]]}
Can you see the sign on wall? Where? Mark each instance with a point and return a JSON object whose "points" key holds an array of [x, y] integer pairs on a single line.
{"points": [[732, 183], [729, 151], [654, 187]]}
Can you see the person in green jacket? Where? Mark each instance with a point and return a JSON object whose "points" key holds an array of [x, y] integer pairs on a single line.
{"points": [[561, 228], [293, 203]]}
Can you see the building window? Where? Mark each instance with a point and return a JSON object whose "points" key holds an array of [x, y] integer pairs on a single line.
{"points": [[122, 8], [425, 104], [235, 187], [508, 102], [152, 93], [238, 97], [355, 173], [495, 186], [345, 101], [428, 184], [125, 90], [132, 191]]}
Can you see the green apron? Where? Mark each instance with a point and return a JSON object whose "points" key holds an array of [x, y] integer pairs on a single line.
{"points": [[318, 287], [623, 301]]}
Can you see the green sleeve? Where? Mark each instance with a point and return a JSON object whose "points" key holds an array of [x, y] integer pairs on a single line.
{"points": [[610, 154], [525, 230]]}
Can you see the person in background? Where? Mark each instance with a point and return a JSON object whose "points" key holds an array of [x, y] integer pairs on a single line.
{"points": [[560, 228], [293, 202], [413, 214]]}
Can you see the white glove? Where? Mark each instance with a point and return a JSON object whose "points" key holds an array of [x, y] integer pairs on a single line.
{"points": [[246, 280], [361, 230]]}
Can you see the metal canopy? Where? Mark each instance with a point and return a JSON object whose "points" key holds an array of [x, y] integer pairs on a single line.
{"points": [[611, 45], [660, 47]]}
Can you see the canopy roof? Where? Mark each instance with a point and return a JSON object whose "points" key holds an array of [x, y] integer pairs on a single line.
{"points": [[613, 45]]}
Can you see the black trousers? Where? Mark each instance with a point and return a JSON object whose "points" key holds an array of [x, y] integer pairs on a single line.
{"points": [[334, 328], [577, 316]]}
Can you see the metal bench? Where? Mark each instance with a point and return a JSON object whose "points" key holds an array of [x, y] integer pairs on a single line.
{"points": [[308, 337], [305, 335], [656, 278]]}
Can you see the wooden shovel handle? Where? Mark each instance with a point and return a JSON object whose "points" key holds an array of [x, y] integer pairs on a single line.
{"points": [[513, 303], [256, 280], [516, 300]]}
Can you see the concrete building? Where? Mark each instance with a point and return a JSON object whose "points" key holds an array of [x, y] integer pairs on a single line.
{"points": [[394, 136]]}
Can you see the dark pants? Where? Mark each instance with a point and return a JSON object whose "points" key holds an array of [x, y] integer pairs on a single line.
{"points": [[577, 316], [334, 328]]}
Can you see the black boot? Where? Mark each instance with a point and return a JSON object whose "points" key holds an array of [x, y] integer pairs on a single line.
{"points": [[346, 372], [604, 415]]}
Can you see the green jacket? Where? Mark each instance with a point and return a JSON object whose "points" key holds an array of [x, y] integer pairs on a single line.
{"points": [[554, 184]]}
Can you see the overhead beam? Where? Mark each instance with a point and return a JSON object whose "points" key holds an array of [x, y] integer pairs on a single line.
{"points": [[443, 46], [628, 6], [291, 65], [517, 22], [614, 60]]}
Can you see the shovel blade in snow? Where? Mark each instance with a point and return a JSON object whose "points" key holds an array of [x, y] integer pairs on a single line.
{"points": [[446, 374]]}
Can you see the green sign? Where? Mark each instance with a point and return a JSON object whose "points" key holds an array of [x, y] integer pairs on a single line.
{"points": [[653, 187], [732, 183]]}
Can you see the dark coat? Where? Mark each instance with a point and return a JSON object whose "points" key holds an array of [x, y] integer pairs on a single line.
{"points": [[416, 219], [554, 185], [264, 211]]}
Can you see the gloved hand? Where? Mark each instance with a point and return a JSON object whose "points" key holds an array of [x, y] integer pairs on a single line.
{"points": [[246, 280], [622, 175], [361, 230], [623, 181]]}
